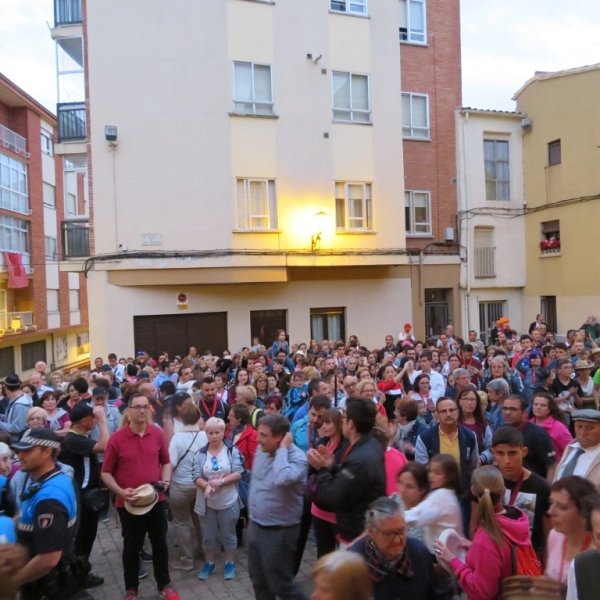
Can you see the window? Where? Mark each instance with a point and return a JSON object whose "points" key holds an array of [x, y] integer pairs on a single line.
{"points": [[548, 309], [13, 185], [353, 209], [3, 324], [7, 361], [327, 324], [550, 237], [554, 157], [351, 98], [497, 179], [484, 252], [253, 89], [417, 209], [52, 301], [47, 143], [415, 116], [256, 204], [354, 7], [49, 194], [32, 353], [14, 236], [51, 248], [265, 323], [489, 313], [413, 21], [75, 185], [74, 300]]}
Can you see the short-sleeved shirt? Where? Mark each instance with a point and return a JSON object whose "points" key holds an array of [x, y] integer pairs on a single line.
{"points": [[77, 452], [541, 452], [134, 459]]}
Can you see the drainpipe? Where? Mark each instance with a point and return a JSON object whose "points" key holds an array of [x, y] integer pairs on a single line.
{"points": [[467, 239]]}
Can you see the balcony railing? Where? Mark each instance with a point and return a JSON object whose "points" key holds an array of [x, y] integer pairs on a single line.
{"points": [[485, 264], [13, 141], [76, 238], [67, 12], [16, 322], [71, 121]]}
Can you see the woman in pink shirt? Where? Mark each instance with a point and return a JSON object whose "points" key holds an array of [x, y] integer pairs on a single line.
{"points": [[547, 415]]}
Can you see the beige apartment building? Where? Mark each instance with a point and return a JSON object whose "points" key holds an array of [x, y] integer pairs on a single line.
{"points": [[246, 169], [561, 160]]}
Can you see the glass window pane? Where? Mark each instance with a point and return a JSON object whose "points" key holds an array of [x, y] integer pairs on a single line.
{"points": [[340, 214], [262, 83], [489, 150], [417, 17], [360, 92], [406, 119], [419, 111], [243, 81], [258, 198], [490, 170], [341, 90], [490, 190], [502, 150]]}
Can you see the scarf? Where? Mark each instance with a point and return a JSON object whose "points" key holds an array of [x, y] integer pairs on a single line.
{"points": [[380, 567], [404, 430], [234, 431]]}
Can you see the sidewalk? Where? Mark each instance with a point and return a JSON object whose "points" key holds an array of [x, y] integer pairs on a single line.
{"points": [[106, 561]]}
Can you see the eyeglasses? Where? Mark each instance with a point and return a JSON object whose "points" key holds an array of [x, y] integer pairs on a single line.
{"points": [[140, 407], [390, 535], [215, 464]]}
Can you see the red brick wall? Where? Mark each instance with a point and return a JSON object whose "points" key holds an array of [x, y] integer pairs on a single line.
{"points": [[435, 70], [4, 114]]}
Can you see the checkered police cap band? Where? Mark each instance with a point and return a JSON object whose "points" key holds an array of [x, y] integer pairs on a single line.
{"points": [[32, 441]]}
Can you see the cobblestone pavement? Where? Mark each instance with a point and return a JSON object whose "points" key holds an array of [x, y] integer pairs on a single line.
{"points": [[106, 561]]}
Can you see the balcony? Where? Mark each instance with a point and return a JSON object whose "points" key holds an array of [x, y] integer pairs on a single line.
{"points": [[16, 322], [485, 262], [71, 122], [67, 12], [13, 141], [76, 238]]}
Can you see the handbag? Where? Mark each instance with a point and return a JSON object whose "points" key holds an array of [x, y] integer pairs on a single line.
{"points": [[94, 500], [310, 491]]}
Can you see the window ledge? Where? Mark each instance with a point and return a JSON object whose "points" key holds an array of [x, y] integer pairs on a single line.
{"points": [[256, 231], [261, 1], [348, 14], [369, 124], [355, 232], [550, 254], [484, 276], [413, 236], [409, 43], [245, 116], [416, 139]]}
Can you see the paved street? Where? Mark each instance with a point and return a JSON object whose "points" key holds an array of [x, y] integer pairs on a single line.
{"points": [[106, 559]]}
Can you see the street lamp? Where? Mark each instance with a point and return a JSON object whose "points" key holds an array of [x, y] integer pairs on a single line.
{"points": [[315, 240]]}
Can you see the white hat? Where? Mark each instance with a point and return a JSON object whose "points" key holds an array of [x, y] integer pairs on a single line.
{"points": [[147, 497]]}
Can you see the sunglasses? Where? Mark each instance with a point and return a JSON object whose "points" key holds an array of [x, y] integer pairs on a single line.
{"points": [[215, 464]]}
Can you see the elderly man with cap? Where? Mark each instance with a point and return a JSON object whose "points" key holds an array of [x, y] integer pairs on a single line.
{"points": [[14, 419], [80, 452], [582, 456], [47, 522], [137, 455]]}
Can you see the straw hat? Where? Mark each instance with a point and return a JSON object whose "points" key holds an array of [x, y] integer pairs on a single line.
{"points": [[147, 498]]}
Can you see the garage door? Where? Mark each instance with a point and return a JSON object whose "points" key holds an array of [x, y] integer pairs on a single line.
{"points": [[176, 333]]}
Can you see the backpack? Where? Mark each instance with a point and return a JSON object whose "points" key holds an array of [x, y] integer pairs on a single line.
{"points": [[524, 561]]}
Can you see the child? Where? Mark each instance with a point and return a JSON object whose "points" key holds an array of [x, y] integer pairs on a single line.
{"points": [[440, 509], [296, 396], [524, 489]]}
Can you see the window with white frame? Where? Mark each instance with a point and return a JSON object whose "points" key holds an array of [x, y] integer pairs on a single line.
{"points": [[13, 185], [52, 301], [413, 21], [253, 89], [14, 237], [354, 7], [351, 100], [73, 300], [49, 195], [256, 204], [415, 116], [417, 211], [47, 143], [353, 206], [51, 248], [497, 173]]}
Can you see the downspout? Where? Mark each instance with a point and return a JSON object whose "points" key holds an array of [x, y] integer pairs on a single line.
{"points": [[467, 240]]}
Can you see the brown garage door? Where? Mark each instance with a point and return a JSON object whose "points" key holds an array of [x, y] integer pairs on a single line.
{"points": [[176, 333]]}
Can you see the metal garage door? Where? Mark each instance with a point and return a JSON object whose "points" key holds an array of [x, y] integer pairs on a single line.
{"points": [[176, 333]]}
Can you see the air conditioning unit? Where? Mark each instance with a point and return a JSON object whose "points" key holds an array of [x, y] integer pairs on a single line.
{"points": [[526, 124], [448, 234]]}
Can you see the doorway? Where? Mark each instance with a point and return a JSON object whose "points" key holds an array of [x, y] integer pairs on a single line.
{"points": [[436, 311]]}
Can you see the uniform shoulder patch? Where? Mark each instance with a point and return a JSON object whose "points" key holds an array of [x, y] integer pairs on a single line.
{"points": [[45, 521]]}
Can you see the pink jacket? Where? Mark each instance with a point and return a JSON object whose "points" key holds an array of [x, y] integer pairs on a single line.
{"points": [[486, 565], [559, 433], [394, 461]]}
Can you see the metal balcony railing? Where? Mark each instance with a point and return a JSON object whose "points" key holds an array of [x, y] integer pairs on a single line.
{"points": [[76, 238], [71, 121], [67, 12], [485, 262], [13, 141]]}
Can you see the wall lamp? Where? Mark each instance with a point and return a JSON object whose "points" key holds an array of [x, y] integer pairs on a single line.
{"points": [[315, 240]]}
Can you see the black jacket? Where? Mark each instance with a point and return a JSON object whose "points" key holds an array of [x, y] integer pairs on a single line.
{"points": [[352, 486]]}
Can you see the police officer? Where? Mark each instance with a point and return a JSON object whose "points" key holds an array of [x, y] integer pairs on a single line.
{"points": [[47, 522]]}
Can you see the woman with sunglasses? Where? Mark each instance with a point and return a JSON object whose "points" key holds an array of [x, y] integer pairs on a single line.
{"points": [[216, 470]]}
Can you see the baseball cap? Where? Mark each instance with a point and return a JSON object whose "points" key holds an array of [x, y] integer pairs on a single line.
{"points": [[106, 368], [100, 391], [38, 436], [80, 411], [140, 353]]}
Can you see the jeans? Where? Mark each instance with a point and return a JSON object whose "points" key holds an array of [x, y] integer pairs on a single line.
{"points": [[182, 499], [271, 562], [134, 528]]}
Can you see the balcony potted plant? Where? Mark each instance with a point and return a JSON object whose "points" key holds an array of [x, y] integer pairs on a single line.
{"points": [[550, 246]]}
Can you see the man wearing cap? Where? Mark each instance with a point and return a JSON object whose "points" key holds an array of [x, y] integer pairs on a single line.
{"points": [[582, 456], [137, 455], [80, 452], [48, 518], [14, 419]]}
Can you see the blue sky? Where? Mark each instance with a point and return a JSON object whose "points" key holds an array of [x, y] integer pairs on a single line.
{"points": [[503, 44]]}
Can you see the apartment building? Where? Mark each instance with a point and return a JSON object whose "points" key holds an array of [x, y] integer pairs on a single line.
{"points": [[43, 312], [491, 224], [248, 178], [561, 159]]}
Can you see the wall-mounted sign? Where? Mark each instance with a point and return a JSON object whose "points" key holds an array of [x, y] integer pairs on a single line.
{"points": [[151, 239], [182, 301]]}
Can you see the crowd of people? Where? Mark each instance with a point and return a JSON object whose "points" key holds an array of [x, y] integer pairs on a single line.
{"points": [[420, 470]]}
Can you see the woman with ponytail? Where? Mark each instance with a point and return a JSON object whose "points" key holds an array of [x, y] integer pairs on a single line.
{"points": [[489, 557]]}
